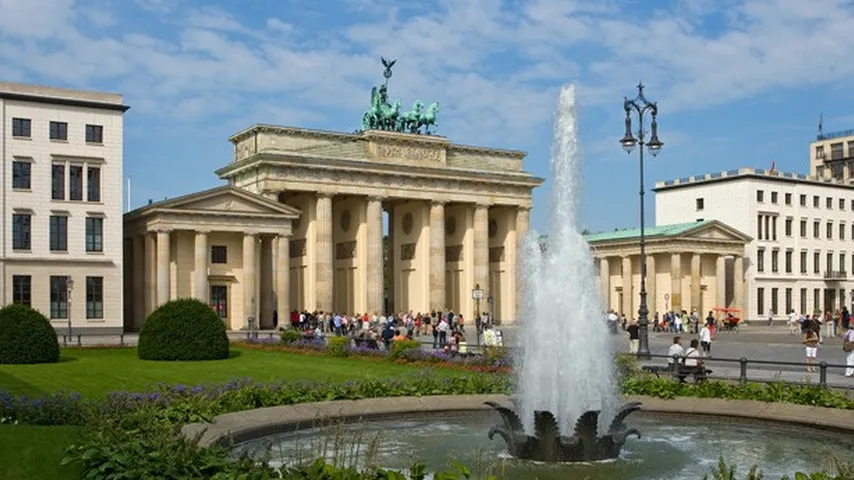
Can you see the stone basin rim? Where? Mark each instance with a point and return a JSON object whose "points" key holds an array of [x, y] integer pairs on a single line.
{"points": [[245, 425]]}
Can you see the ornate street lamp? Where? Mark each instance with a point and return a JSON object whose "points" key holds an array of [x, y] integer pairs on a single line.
{"points": [[69, 286], [640, 106]]}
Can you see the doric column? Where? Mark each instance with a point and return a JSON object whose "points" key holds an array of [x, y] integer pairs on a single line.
{"points": [[695, 282], [481, 251], [283, 280], [391, 246], [437, 256], [605, 281], [150, 272], [200, 267], [738, 285], [140, 290], [676, 282], [265, 296], [628, 295], [523, 220], [163, 276], [324, 256], [720, 281], [375, 255], [651, 302], [248, 279]]}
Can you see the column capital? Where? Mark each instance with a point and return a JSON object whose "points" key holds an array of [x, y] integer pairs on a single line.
{"points": [[325, 195], [526, 208], [438, 203], [161, 230], [202, 231], [482, 204], [377, 198]]}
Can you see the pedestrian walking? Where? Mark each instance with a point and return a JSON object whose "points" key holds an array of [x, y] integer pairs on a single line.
{"points": [[848, 348], [634, 336]]}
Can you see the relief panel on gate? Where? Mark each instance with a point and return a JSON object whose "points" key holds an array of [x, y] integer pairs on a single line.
{"points": [[454, 253], [345, 250], [407, 251], [297, 248]]}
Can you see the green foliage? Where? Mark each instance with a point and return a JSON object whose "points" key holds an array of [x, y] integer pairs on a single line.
{"points": [[626, 367], [495, 354], [400, 347], [290, 336], [184, 329], [337, 346], [26, 337]]}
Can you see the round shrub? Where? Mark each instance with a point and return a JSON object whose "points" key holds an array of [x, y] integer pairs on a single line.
{"points": [[26, 336], [184, 329]]}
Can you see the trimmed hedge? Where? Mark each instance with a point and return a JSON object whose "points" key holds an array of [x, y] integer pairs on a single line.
{"points": [[26, 337], [183, 329]]}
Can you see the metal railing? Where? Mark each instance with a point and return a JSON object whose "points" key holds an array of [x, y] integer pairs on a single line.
{"points": [[835, 274]]}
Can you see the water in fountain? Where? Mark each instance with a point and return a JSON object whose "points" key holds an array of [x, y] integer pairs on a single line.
{"points": [[566, 364]]}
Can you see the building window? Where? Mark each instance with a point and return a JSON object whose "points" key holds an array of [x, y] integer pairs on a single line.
{"points": [[94, 134], [819, 152], [22, 289], [774, 197], [760, 260], [22, 229], [93, 184], [788, 300], [803, 301], [58, 296], [58, 131], [836, 151], [788, 227], [94, 297], [75, 182], [774, 261], [816, 262], [788, 198], [803, 200], [828, 203], [837, 171], [219, 254], [57, 180], [842, 231], [828, 266], [816, 226], [22, 175], [760, 300], [58, 233], [829, 231], [219, 300], [804, 261], [815, 201], [94, 234], [774, 228], [788, 261], [774, 300], [850, 151], [803, 229], [760, 195], [699, 204], [759, 226], [22, 128], [816, 300], [842, 204], [842, 262]]}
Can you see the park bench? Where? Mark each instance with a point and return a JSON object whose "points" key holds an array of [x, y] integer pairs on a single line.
{"points": [[678, 371], [369, 343]]}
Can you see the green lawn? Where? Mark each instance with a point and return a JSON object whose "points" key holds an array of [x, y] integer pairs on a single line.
{"points": [[31, 452], [96, 372]]}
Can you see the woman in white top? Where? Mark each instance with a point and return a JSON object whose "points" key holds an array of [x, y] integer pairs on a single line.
{"points": [[849, 361], [706, 340]]}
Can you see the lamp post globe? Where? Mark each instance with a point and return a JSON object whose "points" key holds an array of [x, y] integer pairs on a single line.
{"points": [[633, 137]]}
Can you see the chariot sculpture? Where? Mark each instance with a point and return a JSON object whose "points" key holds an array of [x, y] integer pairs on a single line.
{"points": [[385, 115], [548, 445]]}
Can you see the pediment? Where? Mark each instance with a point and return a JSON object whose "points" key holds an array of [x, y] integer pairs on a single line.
{"points": [[229, 200], [717, 231]]}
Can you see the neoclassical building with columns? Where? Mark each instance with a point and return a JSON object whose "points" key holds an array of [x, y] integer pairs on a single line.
{"points": [[375, 221], [690, 266]]}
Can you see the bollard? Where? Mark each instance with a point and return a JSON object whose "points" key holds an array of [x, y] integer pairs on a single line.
{"points": [[822, 374], [79, 343], [122, 339], [743, 375], [64, 341]]}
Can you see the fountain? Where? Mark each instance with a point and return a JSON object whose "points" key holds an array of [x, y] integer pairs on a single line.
{"points": [[565, 370]]}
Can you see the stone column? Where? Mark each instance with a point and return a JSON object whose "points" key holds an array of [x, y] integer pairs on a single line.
{"points": [[266, 307], [523, 220], [605, 281], [163, 276], [676, 282], [651, 301], [248, 280], [140, 289], [695, 282], [375, 255], [324, 257], [283, 280], [391, 245], [628, 295], [200, 267], [150, 272], [720, 281], [437, 256], [481, 252], [738, 285]]}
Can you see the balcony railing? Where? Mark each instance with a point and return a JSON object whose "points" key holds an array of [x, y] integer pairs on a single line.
{"points": [[835, 275]]}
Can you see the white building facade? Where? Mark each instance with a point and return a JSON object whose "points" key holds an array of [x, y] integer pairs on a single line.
{"points": [[802, 228], [61, 206]]}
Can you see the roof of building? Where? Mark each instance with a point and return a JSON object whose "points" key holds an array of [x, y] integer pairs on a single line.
{"points": [[184, 200], [834, 135], [25, 92], [745, 173], [649, 232]]}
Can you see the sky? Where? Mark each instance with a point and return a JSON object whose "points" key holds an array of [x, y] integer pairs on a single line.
{"points": [[738, 83]]}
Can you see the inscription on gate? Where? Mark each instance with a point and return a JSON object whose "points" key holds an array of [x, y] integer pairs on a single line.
{"points": [[408, 152]]}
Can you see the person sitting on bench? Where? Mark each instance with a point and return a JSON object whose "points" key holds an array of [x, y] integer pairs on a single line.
{"points": [[675, 353], [693, 362]]}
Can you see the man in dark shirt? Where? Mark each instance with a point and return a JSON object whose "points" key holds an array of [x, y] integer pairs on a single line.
{"points": [[634, 338]]}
